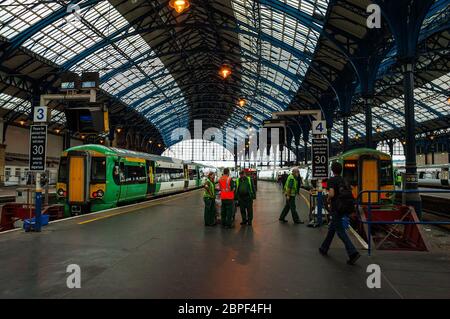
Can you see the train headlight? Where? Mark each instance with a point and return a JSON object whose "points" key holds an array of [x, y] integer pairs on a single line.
{"points": [[100, 193], [61, 192]]}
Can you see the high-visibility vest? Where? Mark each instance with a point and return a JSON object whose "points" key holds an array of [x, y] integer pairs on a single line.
{"points": [[249, 185], [225, 188], [210, 191], [294, 190]]}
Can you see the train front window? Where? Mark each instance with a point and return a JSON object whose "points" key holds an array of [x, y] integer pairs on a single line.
{"points": [[386, 173], [350, 172], [98, 170], [62, 171]]}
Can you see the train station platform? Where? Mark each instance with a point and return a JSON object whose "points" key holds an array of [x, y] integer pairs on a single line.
{"points": [[161, 249]]}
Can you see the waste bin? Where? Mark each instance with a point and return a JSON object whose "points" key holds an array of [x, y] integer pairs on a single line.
{"points": [[29, 224]]}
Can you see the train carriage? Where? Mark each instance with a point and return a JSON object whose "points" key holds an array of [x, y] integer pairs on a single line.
{"points": [[368, 169], [363, 168], [95, 177]]}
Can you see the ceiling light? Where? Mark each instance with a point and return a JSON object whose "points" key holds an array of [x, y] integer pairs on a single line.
{"points": [[179, 5], [225, 71], [378, 129]]}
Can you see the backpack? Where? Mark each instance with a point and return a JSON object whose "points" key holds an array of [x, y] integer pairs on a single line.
{"points": [[345, 202]]}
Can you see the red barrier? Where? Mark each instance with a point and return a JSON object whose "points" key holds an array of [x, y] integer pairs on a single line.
{"points": [[13, 212], [395, 236]]}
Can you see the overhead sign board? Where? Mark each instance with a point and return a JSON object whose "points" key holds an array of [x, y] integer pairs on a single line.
{"points": [[319, 127], [274, 123], [319, 158], [38, 147]]}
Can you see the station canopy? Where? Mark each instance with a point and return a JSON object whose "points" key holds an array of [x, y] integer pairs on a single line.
{"points": [[164, 66]]}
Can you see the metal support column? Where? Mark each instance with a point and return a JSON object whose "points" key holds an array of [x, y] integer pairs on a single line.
{"points": [[368, 112], [411, 180], [306, 151], [345, 133]]}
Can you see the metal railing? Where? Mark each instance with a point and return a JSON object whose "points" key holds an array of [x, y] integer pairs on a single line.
{"points": [[24, 179], [369, 221]]}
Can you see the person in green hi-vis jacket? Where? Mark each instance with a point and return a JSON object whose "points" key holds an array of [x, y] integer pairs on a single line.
{"points": [[245, 194], [209, 197], [291, 189]]}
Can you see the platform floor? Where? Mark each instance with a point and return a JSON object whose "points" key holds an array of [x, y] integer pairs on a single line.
{"points": [[439, 195], [164, 251]]}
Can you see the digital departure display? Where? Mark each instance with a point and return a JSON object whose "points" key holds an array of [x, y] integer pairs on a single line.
{"points": [[89, 85], [68, 85]]}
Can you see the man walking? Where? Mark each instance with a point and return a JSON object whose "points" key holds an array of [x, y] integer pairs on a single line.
{"points": [[209, 197], [226, 185], [291, 189], [335, 185], [245, 195]]}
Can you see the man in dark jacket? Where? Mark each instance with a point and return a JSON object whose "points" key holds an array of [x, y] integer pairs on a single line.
{"points": [[336, 226], [245, 194]]}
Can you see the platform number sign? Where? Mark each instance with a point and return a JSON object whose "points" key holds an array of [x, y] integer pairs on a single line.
{"points": [[38, 147], [40, 114], [319, 127], [319, 158]]}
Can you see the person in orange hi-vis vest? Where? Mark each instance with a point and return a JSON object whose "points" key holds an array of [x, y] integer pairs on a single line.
{"points": [[226, 185]]}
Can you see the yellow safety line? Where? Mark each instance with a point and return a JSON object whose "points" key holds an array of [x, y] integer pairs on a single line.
{"points": [[306, 200], [132, 209]]}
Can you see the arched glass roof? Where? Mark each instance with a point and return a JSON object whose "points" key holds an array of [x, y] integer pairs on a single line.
{"points": [[165, 65]]}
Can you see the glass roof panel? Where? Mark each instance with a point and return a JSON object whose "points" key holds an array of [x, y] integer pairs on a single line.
{"points": [[18, 15], [293, 33]]}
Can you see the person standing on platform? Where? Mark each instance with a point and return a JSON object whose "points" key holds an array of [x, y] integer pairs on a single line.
{"points": [[335, 185], [245, 195], [291, 189], [209, 197], [226, 185]]}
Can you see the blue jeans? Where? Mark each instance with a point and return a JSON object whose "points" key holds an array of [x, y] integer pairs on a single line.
{"points": [[336, 226]]}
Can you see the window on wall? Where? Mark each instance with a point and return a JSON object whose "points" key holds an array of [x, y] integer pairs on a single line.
{"points": [[7, 173], [398, 148], [199, 150]]}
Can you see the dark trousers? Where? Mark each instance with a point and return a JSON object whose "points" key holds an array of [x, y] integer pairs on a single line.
{"points": [[227, 211], [290, 205], [210, 211], [336, 226], [246, 206]]}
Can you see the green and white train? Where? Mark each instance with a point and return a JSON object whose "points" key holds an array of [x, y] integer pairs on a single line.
{"points": [[95, 177]]}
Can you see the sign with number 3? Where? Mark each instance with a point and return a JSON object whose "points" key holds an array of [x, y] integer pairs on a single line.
{"points": [[40, 114]]}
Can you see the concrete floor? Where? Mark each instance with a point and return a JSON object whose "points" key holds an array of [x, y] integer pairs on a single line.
{"points": [[164, 251]]}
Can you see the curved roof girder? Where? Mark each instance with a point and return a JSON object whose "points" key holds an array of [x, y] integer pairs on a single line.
{"points": [[146, 97], [161, 71]]}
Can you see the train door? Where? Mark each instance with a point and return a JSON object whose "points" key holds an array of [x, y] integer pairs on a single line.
{"points": [[369, 179], [117, 178], [186, 176], [444, 176], [77, 169], [122, 179], [151, 188]]}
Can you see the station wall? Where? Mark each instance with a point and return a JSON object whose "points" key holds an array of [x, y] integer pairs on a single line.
{"points": [[17, 142], [437, 158]]}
